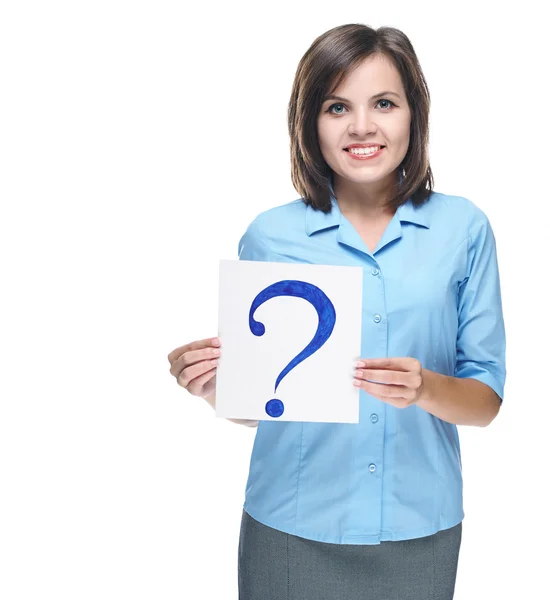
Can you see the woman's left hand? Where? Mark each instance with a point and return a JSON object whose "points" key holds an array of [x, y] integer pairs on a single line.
{"points": [[401, 382]]}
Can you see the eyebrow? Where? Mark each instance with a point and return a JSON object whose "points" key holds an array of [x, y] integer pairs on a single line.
{"points": [[379, 95]]}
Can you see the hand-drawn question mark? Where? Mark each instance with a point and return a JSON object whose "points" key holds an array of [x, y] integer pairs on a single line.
{"points": [[327, 318]]}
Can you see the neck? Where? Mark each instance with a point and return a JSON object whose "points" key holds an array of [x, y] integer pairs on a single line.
{"points": [[364, 200]]}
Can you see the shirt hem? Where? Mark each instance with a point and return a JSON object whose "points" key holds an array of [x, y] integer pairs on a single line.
{"points": [[355, 539]]}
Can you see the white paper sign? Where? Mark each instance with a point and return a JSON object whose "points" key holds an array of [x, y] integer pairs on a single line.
{"points": [[290, 334]]}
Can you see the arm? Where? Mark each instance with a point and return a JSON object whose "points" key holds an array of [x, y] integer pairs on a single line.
{"points": [[462, 401], [474, 395], [249, 423]]}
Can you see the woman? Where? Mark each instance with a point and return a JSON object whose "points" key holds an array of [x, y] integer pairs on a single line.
{"points": [[371, 510]]}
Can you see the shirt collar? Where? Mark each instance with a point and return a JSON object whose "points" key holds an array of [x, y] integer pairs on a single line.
{"points": [[316, 220]]}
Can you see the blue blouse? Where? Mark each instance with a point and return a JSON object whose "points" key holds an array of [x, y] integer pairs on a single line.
{"points": [[431, 290]]}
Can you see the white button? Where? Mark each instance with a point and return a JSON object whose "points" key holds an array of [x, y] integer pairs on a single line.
{"points": [[372, 468], [375, 271], [377, 318], [374, 418]]}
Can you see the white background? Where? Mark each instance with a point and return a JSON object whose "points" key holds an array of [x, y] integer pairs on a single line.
{"points": [[138, 141]]}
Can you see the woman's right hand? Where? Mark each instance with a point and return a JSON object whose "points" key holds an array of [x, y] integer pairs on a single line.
{"points": [[194, 366]]}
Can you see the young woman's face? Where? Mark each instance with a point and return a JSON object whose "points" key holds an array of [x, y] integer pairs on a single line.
{"points": [[362, 119]]}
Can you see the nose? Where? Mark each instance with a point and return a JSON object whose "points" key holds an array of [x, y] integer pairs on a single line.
{"points": [[362, 123]]}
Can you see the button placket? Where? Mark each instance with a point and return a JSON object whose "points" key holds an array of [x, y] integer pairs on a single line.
{"points": [[377, 318]]}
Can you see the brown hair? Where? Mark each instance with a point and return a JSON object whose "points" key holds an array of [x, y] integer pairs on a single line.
{"points": [[329, 59]]}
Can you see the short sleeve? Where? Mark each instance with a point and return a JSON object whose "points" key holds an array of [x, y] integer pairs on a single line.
{"points": [[481, 337]]}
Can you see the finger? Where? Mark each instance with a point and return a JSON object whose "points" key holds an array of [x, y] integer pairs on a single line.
{"points": [[188, 375], [379, 389], [192, 357], [175, 354], [397, 402], [399, 363], [195, 386], [383, 376]]}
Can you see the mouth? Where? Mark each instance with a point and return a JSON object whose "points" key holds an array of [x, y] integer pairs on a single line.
{"points": [[372, 155], [379, 148]]}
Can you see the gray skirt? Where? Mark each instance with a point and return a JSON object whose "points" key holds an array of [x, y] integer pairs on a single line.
{"points": [[274, 565]]}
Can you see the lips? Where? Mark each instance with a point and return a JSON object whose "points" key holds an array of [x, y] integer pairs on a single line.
{"points": [[365, 156], [375, 146]]}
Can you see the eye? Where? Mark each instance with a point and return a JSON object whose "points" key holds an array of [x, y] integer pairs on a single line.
{"points": [[329, 109], [386, 100]]}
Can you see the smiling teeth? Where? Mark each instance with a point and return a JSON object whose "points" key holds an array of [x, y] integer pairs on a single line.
{"points": [[370, 150]]}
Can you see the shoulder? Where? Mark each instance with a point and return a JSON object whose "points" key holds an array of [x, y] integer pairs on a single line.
{"points": [[279, 224], [276, 216], [457, 213]]}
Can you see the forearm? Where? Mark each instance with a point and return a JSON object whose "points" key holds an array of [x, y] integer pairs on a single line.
{"points": [[249, 423], [462, 401]]}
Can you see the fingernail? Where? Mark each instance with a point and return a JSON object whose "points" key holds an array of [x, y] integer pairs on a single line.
{"points": [[359, 363], [216, 341]]}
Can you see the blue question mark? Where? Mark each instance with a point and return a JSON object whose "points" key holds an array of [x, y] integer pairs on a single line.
{"points": [[327, 318]]}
